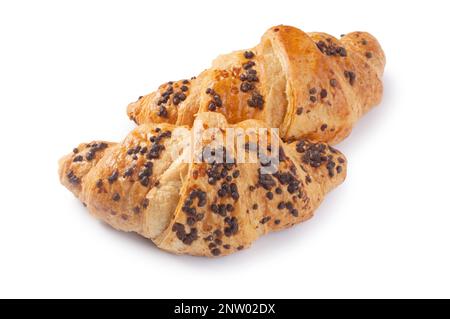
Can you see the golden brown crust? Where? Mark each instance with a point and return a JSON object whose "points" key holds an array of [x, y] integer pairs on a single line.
{"points": [[309, 85], [204, 207], [115, 189], [74, 166]]}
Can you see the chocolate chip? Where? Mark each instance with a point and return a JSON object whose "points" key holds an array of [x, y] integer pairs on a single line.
{"points": [[350, 76], [341, 51], [249, 54], [248, 65], [256, 100], [222, 210], [163, 112], [333, 82], [214, 208], [332, 150], [233, 226], [265, 180], [313, 154], [330, 167], [212, 106], [90, 156], [99, 183], [246, 86], [191, 237], [222, 192], [78, 158], [190, 221], [300, 146], [177, 227], [73, 179], [145, 181], [251, 76], [331, 49], [293, 187], [234, 191], [113, 177]]}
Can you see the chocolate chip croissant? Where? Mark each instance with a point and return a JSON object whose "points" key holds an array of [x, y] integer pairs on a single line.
{"points": [[209, 190], [309, 85]]}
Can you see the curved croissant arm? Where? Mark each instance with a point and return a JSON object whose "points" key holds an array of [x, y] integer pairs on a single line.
{"points": [[309, 85], [203, 206]]}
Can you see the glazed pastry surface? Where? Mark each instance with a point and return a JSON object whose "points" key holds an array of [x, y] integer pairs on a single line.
{"points": [[309, 85]]}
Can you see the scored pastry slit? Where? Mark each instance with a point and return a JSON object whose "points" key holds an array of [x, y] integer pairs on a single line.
{"points": [[273, 84], [164, 200]]}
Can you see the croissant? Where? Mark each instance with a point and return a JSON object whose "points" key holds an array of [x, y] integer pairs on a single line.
{"points": [[193, 192], [309, 85]]}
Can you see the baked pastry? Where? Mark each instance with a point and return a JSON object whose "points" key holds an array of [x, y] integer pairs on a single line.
{"points": [[309, 85], [193, 192]]}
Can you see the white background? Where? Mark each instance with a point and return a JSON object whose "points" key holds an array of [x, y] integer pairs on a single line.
{"points": [[69, 68]]}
